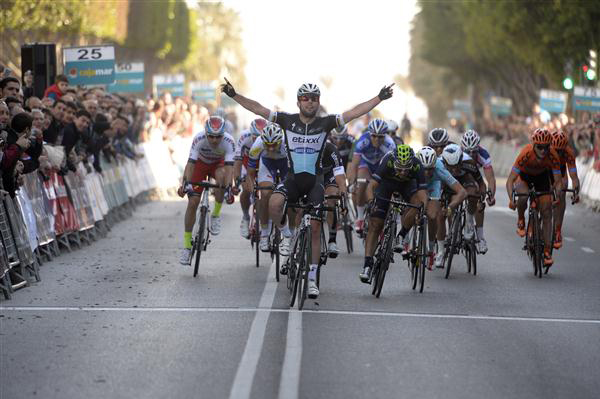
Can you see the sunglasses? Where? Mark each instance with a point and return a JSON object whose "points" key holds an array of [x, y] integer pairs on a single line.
{"points": [[377, 136], [273, 145], [542, 147], [213, 136], [307, 98]]}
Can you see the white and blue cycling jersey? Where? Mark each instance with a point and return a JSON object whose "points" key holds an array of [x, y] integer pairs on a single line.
{"points": [[440, 175], [370, 155]]}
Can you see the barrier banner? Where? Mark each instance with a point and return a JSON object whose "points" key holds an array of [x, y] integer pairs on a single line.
{"points": [[80, 202], [53, 204], [7, 236], [44, 219], [4, 265], [90, 65], [69, 216], [19, 231], [28, 217]]}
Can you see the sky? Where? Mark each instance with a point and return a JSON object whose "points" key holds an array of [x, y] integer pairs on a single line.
{"points": [[359, 45]]}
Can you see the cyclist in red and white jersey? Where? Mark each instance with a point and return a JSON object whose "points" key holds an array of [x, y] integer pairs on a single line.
{"points": [[211, 155]]}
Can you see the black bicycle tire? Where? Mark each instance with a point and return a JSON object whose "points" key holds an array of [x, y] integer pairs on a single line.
{"points": [[388, 237], [454, 237], [293, 273], [276, 250], [303, 271], [422, 254], [474, 259], [200, 241], [413, 264], [539, 245]]}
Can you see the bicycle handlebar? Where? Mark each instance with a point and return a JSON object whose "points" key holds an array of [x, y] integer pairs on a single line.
{"points": [[401, 203]]}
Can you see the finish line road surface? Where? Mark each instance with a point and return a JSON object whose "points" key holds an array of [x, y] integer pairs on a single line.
{"points": [[122, 319]]}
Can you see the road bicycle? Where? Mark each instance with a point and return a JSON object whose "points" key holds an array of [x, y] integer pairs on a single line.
{"points": [[298, 263], [201, 231], [534, 239]]}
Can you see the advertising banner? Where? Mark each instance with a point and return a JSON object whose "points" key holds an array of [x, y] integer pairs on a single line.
{"points": [[129, 78], [586, 98], [90, 65], [174, 84], [553, 101]]}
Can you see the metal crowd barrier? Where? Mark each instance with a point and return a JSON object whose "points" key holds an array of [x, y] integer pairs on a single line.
{"points": [[57, 213]]}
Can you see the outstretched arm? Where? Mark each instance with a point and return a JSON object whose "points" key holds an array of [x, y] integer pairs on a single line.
{"points": [[362, 108], [251, 105]]}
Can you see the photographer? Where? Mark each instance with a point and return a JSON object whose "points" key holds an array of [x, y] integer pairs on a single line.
{"points": [[20, 153]]}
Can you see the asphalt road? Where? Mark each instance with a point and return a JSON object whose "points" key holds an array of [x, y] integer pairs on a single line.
{"points": [[122, 319]]}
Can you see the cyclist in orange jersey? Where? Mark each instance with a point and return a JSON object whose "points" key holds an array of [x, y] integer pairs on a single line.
{"points": [[566, 157], [534, 167]]}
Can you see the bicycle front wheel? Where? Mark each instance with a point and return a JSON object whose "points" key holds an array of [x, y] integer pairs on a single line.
{"points": [[275, 249], [199, 242], [422, 254], [456, 222], [303, 268]]}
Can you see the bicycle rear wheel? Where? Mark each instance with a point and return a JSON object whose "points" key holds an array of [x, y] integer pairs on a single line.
{"points": [[473, 259], [199, 244], [294, 271]]}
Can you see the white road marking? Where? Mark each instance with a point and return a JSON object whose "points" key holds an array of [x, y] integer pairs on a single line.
{"points": [[569, 239], [588, 250], [244, 377], [329, 312], [289, 384]]}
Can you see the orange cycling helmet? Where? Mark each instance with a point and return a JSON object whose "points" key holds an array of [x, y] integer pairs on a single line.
{"points": [[541, 136], [559, 140]]}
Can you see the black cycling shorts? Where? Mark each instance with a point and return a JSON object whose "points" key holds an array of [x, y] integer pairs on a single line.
{"points": [[386, 189], [541, 182], [294, 187]]}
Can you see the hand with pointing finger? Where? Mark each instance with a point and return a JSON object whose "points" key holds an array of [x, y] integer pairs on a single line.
{"points": [[228, 89], [386, 92]]}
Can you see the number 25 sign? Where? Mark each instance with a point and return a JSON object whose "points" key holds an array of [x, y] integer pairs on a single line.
{"points": [[89, 65]]}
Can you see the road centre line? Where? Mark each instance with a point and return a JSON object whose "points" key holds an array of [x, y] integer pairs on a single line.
{"points": [[321, 311], [569, 239], [588, 250], [244, 377]]}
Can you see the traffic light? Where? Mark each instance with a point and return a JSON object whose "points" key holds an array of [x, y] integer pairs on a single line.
{"points": [[590, 74], [568, 83], [593, 62]]}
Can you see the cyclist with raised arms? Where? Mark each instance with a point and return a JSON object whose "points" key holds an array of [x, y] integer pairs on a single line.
{"points": [[211, 155], [398, 172], [240, 168], [566, 157], [438, 177], [470, 143], [305, 138], [535, 167], [368, 151], [269, 156], [463, 169]]}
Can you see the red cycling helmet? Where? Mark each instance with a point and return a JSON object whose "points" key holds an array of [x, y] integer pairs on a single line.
{"points": [[541, 136], [559, 140], [257, 126], [215, 125]]}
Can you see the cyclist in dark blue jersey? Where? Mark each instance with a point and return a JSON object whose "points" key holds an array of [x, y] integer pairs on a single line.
{"points": [[305, 138]]}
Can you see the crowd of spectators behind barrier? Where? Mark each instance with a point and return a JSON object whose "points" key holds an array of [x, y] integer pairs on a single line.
{"points": [[584, 136], [72, 125]]}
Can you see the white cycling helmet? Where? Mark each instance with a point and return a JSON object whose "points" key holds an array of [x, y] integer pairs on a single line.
{"points": [[378, 126], [452, 154], [470, 140], [427, 156], [272, 134], [308, 88], [438, 137], [392, 126]]}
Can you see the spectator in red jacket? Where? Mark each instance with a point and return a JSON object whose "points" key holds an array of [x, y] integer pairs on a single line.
{"points": [[60, 86]]}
